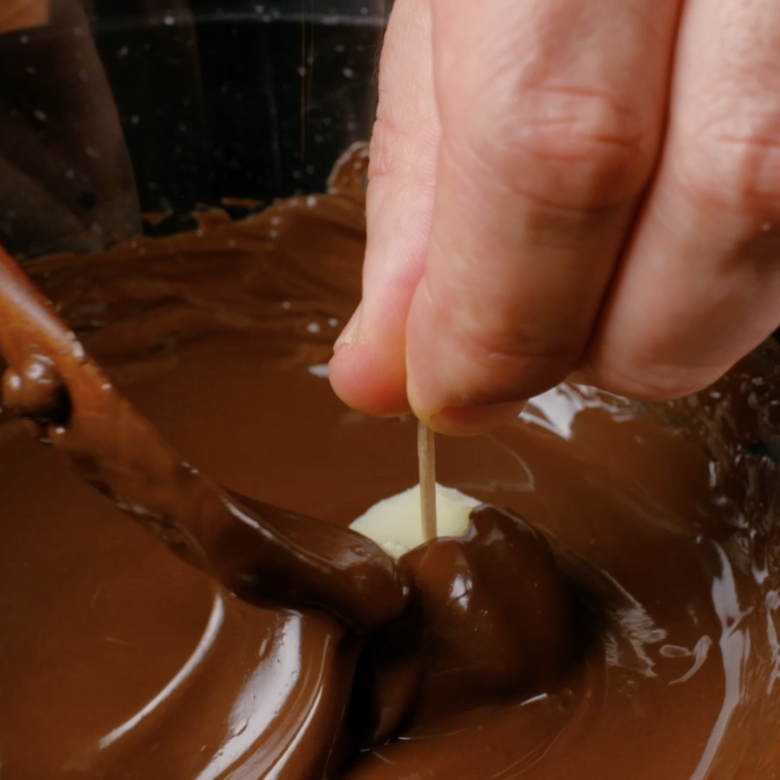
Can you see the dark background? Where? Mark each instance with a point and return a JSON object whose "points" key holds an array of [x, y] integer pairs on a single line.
{"points": [[122, 107], [231, 101]]}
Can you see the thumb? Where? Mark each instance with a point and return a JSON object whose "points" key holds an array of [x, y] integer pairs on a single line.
{"points": [[368, 370]]}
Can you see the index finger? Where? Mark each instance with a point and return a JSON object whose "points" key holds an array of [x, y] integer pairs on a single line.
{"points": [[551, 116]]}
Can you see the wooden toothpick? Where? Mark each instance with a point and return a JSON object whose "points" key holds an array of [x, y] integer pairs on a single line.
{"points": [[426, 451]]}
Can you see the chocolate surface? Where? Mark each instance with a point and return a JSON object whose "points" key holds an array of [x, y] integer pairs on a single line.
{"points": [[651, 651], [262, 553]]}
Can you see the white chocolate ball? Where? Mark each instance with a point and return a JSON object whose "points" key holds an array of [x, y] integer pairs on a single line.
{"points": [[395, 523]]}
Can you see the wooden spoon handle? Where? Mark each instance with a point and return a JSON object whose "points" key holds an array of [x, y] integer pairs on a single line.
{"points": [[30, 328]]}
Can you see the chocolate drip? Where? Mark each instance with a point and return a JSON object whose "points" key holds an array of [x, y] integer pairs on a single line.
{"points": [[496, 614], [492, 619]]}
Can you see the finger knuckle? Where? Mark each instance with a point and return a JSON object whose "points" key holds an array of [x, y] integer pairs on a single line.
{"points": [[582, 146], [509, 357], [520, 371], [730, 168], [395, 151], [642, 381], [385, 138], [521, 346]]}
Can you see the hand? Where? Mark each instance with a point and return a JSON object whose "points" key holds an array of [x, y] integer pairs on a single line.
{"points": [[561, 186]]}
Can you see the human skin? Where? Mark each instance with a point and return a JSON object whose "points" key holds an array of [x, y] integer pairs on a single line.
{"points": [[566, 189]]}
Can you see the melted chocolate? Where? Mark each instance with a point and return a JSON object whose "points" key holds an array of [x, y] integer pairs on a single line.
{"points": [[650, 648], [261, 554], [476, 633]]}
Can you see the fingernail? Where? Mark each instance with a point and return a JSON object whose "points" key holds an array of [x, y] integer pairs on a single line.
{"points": [[351, 332], [473, 420]]}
